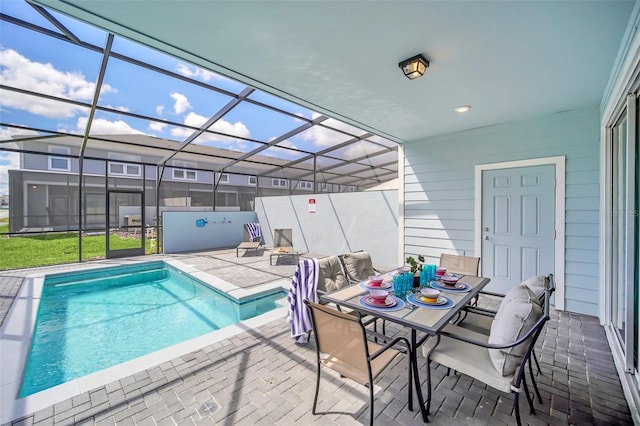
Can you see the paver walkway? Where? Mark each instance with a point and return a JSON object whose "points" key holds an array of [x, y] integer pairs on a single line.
{"points": [[262, 377]]}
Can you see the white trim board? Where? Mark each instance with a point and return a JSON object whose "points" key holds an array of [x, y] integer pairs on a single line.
{"points": [[559, 163]]}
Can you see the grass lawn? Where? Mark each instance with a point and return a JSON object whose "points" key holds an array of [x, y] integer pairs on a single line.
{"points": [[52, 249]]}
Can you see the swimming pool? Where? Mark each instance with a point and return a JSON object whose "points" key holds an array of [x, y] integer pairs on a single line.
{"points": [[88, 321]]}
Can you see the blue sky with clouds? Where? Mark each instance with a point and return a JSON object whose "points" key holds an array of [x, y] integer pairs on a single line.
{"points": [[43, 64]]}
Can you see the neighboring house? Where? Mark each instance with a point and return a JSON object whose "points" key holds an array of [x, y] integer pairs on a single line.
{"points": [[44, 192]]}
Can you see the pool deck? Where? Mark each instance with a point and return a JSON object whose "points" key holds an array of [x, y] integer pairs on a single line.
{"points": [[256, 374]]}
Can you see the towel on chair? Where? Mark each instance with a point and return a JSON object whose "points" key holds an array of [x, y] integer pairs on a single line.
{"points": [[303, 287], [255, 233]]}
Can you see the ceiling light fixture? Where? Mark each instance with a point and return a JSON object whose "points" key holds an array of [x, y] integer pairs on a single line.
{"points": [[462, 108], [414, 67]]}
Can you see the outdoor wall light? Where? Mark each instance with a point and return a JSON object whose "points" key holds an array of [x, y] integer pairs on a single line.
{"points": [[414, 67]]}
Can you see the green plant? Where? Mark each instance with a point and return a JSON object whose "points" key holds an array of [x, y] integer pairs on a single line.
{"points": [[416, 265]]}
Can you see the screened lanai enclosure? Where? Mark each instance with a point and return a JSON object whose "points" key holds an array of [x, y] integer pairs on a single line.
{"points": [[100, 135]]}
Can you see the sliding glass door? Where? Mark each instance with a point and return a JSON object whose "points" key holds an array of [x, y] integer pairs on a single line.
{"points": [[623, 232]]}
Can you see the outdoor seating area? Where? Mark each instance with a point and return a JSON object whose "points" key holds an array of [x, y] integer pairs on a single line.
{"points": [[262, 376]]}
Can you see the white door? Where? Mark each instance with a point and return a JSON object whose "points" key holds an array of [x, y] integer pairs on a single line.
{"points": [[518, 228]]}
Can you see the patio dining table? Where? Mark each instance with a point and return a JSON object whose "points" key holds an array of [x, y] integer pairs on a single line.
{"points": [[426, 320]]}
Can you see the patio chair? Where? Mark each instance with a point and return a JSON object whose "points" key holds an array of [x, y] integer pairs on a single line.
{"points": [[283, 245], [497, 360], [251, 238], [464, 265], [342, 346], [358, 266], [480, 319]]}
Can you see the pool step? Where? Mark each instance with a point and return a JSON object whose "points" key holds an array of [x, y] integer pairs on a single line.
{"points": [[107, 277]]}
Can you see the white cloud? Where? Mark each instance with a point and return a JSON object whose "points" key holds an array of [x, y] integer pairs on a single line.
{"points": [[157, 126], [160, 109], [196, 120], [320, 136], [197, 73], [181, 103], [119, 108], [18, 71], [360, 149], [100, 126]]}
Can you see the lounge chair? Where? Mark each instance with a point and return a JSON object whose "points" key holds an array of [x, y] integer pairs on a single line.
{"points": [[251, 238], [283, 245]]}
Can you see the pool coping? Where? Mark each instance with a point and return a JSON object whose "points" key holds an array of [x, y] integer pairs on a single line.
{"points": [[17, 330]]}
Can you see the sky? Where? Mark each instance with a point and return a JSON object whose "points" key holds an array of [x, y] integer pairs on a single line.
{"points": [[35, 62]]}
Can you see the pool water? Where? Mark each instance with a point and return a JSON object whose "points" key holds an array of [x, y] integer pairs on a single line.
{"points": [[89, 321]]}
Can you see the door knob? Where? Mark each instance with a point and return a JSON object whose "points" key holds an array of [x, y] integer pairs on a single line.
{"points": [[486, 237], [486, 228]]}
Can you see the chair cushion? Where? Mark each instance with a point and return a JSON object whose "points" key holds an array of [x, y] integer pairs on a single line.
{"points": [[331, 275], [518, 312], [537, 284], [358, 265]]}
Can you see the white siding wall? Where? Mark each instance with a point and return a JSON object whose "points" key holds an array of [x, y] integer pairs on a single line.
{"points": [[439, 191]]}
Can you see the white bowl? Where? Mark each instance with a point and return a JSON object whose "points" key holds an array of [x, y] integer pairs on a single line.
{"points": [[450, 279], [375, 280], [430, 293], [403, 269], [379, 295]]}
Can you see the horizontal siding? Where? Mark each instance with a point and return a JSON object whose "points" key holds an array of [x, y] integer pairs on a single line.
{"points": [[439, 190]]}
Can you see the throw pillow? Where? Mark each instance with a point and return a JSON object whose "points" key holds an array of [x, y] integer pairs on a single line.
{"points": [[518, 312]]}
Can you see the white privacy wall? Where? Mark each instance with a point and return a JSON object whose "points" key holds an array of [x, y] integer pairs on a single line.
{"points": [[342, 223], [439, 191]]}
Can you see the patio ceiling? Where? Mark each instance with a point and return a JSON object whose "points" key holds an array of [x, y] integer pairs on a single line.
{"points": [[509, 60]]}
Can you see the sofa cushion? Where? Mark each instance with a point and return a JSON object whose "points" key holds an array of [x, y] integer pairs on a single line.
{"points": [[358, 265], [519, 311], [331, 276]]}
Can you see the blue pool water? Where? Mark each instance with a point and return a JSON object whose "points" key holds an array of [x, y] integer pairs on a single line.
{"points": [[89, 321]]}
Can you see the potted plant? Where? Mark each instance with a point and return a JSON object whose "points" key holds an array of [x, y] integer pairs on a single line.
{"points": [[416, 267]]}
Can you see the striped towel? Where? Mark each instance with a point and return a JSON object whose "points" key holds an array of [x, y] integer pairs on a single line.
{"points": [[303, 287], [255, 233]]}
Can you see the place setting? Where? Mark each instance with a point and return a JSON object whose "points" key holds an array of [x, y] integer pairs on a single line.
{"points": [[449, 282], [382, 300], [376, 282], [430, 298]]}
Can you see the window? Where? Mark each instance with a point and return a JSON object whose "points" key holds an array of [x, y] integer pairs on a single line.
{"points": [[323, 187], [303, 184], [59, 163], [253, 180], [224, 178], [122, 164], [124, 169], [280, 183], [227, 199], [183, 174]]}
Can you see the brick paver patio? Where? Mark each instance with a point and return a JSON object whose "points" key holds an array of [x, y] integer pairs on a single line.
{"points": [[262, 377]]}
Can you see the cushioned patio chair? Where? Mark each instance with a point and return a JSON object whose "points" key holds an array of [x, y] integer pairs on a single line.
{"points": [[283, 245], [342, 345], [251, 238], [358, 266], [480, 319], [499, 359], [464, 265]]}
